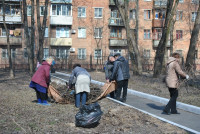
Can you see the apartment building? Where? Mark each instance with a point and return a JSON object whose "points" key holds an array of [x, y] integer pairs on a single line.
{"points": [[90, 29]]}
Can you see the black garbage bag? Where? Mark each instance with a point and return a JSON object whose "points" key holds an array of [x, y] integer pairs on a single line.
{"points": [[88, 116]]}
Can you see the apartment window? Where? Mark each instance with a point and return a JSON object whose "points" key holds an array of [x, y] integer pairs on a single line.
{"points": [[179, 34], [59, 9], [5, 53], [46, 52], [132, 14], [29, 10], [62, 32], [81, 33], [25, 53], [46, 33], [195, 1], [147, 34], [196, 54], [179, 15], [1, 10], [3, 32], [116, 33], [98, 12], [147, 14], [81, 53], [157, 34], [159, 14], [42, 9], [62, 53], [81, 12], [146, 53], [181, 1], [114, 51], [98, 54], [194, 15], [98, 32]]}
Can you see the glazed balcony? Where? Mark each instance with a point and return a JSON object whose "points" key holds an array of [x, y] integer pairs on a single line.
{"points": [[116, 22], [61, 1], [11, 19], [13, 40], [61, 42], [160, 4], [117, 42], [112, 2]]}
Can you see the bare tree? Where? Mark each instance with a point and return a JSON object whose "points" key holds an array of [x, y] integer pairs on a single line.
{"points": [[41, 29], [159, 58], [190, 60], [8, 43]]}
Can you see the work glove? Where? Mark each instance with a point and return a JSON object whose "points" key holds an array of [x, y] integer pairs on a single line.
{"points": [[187, 77]]}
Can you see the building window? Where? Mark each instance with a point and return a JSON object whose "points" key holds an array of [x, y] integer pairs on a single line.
{"points": [[58, 9], [62, 32], [146, 53], [194, 15], [181, 1], [147, 34], [98, 12], [98, 54], [25, 53], [159, 14], [5, 53], [46, 33], [179, 34], [132, 14], [46, 52], [81, 53], [116, 33], [42, 8], [114, 51], [62, 53], [98, 32], [81, 33], [3, 32], [179, 15], [157, 33], [29, 10], [196, 54], [195, 1], [147, 14], [81, 12]]}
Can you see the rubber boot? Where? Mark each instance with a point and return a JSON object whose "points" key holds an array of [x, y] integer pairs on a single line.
{"points": [[39, 101], [44, 102]]}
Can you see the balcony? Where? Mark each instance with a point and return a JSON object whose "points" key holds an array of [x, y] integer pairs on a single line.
{"points": [[11, 19], [13, 40], [112, 2], [156, 42], [117, 43], [158, 23], [61, 20], [160, 4], [61, 42], [13, 0], [61, 1], [116, 22]]}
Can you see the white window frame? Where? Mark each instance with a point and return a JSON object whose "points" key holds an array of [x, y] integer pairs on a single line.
{"points": [[29, 8], [114, 51], [195, 1], [178, 13], [147, 53], [132, 14], [81, 53], [147, 35], [98, 34], [98, 14], [43, 11], [181, 1], [98, 52], [82, 32], [45, 52], [13, 53], [194, 15], [62, 53], [61, 10], [146, 15], [46, 32], [82, 14], [62, 32]]}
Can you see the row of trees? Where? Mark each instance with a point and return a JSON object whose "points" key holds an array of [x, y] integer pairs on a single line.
{"points": [[132, 39]]}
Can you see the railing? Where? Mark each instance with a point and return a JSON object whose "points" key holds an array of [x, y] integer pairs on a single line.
{"points": [[61, 1], [160, 3], [61, 42], [13, 40], [12, 19], [116, 22], [116, 42]]}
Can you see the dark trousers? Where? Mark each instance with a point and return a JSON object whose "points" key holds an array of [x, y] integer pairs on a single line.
{"points": [[172, 102], [40, 95], [122, 84]]}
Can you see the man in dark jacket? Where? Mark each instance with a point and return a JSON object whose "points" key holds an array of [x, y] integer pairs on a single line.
{"points": [[121, 75]]}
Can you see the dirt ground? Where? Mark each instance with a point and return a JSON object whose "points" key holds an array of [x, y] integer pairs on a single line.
{"points": [[20, 114]]}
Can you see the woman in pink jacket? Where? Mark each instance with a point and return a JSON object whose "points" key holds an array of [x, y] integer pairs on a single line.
{"points": [[41, 80], [172, 81]]}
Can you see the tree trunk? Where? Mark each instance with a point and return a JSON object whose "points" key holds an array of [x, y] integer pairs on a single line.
{"points": [[190, 60], [131, 40], [160, 53], [41, 29], [8, 43]]}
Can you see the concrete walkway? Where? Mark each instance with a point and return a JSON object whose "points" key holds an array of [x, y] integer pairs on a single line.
{"points": [[186, 120]]}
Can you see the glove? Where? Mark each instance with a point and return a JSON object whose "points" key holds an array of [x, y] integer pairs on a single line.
{"points": [[187, 77]]}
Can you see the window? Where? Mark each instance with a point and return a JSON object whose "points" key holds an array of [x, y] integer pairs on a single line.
{"points": [[194, 15], [81, 33], [98, 32], [3, 34], [42, 8], [179, 15], [181, 1], [46, 33], [62, 32], [114, 51], [81, 12], [5, 53], [98, 12], [179, 34], [147, 14], [45, 52], [159, 14], [62, 53], [157, 33], [81, 53], [29, 10], [196, 54], [58, 9], [195, 1], [98, 54], [147, 34], [146, 53], [116, 33], [25, 53], [132, 14]]}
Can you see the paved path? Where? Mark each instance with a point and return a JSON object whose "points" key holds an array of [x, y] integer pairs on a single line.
{"points": [[185, 119]]}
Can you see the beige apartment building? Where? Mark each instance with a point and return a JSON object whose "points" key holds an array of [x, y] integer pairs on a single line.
{"points": [[87, 31]]}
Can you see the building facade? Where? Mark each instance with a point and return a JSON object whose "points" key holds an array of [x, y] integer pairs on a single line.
{"points": [[87, 31]]}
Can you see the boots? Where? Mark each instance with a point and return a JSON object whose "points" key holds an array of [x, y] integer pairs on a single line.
{"points": [[45, 103], [39, 101]]}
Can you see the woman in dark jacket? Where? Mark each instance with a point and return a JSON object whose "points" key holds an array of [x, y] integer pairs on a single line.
{"points": [[40, 81]]}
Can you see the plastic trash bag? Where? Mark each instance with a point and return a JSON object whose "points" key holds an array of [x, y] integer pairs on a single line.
{"points": [[88, 116]]}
